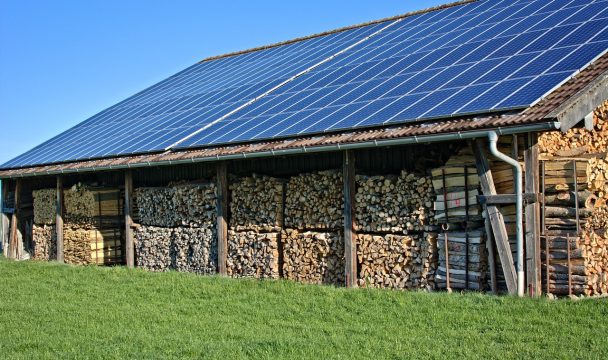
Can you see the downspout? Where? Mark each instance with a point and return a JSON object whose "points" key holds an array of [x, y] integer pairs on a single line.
{"points": [[493, 139]]}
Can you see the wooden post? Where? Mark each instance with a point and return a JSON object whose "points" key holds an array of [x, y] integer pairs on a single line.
{"points": [[532, 215], [14, 251], [222, 217], [350, 246], [59, 219], [4, 236], [129, 248], [494, 215], [491, 258]]}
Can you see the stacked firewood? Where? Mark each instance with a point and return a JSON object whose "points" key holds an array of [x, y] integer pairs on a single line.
{"points": [[152, 245], [313, 257], [44, 239], [188, 204], [91, 205], [253, 254], [256, 209], [456, 260], [395, 204], [181, 248], [44, 205], [586, 272], [397, 261], [256, 204], [177, 227], [315, 201], [578, 141]]}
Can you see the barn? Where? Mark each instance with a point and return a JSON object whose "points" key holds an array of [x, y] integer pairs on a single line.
{"points": [[459, 147]]}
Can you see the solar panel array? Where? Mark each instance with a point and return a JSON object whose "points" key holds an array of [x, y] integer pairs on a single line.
{"points": [[168, 111], [473, 58], [483, 56]]}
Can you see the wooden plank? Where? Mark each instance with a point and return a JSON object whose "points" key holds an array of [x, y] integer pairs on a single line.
{"points": [[495, 217], [502, 199], [532, 218], [13, 248], [222, 217], [350, 247], [491, 259], [129, 244], [5, 219], [59, 219]]}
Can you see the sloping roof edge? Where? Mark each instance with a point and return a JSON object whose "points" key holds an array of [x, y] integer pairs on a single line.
{"points": [[329, 32]]}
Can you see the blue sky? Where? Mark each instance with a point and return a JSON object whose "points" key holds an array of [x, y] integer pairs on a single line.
{"points": [[63, 61]]}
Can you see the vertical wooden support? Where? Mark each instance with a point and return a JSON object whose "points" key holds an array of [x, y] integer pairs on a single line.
{"points": [[496, 218], [532, 216], [350, 246], [13, 248], [222, 217], [129, 245], [491, 258], [59, 219], [4, 236]]}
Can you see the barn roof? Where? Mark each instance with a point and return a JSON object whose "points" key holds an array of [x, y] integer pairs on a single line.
{"points": [[460, 67]]}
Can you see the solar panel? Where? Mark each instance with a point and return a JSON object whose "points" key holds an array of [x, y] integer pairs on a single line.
{"points": [[168, 111], [478, 57], [481, 57]]}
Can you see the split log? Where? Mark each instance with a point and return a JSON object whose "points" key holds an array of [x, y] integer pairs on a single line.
{"points": [[396, 261], [44, 242], [394, 204], [313, 257], [252, 254], [315, 201], [189, 204], [44, 206], [256, 204]]}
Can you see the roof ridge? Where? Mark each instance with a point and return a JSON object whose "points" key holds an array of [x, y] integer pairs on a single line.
{"points": [[329, 32]]}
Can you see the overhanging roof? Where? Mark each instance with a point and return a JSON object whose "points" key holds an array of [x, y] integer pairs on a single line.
{"points": [[538, 114], [567, 100]]}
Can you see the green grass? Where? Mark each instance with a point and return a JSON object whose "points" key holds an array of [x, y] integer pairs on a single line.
{"points": [[53, 311]]}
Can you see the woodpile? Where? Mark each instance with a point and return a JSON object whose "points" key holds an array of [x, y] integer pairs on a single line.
{"points": [[578, 141], [313, 257], [181, 248], [397, 261], [256, 204], [86, 204], [394, 204], [314, 201], [586, 270], [44, 205], [177, 227], [189, 204], [456, 260], [252, 254], [44, 240]]}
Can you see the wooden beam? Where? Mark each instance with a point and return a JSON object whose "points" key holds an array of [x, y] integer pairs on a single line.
{"points": [[505, 199], [532, 218], [491, 258], [5, 220], [59, 220], [574, 110], [13, 248], [350, 246], [129, 244], [222, 217], [496, 219]]}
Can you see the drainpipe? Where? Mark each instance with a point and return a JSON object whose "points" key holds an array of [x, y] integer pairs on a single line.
{"points": [[493, 138]]}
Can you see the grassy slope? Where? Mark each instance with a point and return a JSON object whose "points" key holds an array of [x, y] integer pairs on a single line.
{"points": [[48, 310]]}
